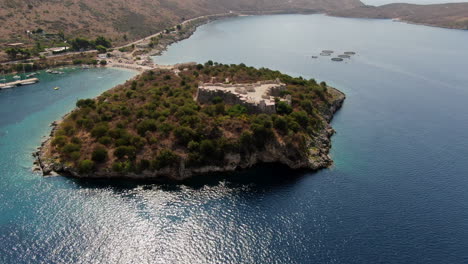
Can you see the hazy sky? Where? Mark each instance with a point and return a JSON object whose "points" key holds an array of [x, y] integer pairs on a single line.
{"points": [[383, 2]]}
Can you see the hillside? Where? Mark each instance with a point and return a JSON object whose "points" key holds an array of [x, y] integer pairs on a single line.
{"points": [[160, 126], [440, 15], [122, 19]]}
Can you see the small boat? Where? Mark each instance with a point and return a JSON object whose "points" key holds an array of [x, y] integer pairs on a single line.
{"points": [[7, 86], [16, 77], [2, 80], [56, 88], [28, 83], [85, 67], [48, 71]]}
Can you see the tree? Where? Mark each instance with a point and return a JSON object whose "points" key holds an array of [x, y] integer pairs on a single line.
{"points": [[102, 41], [283, 108], [81, 44], [86, 166], [147, 125], [99, 155], [12, 53], [281, 124], [82, 103], [301, 118], [100, 130], [122, 151], [101, 49], [184, 135], [166, 158]]}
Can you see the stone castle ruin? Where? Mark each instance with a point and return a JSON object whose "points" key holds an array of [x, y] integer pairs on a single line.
{"points": [[257, 97]]}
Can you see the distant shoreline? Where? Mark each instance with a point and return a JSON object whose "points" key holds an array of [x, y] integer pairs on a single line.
{"points": [[450, 16]]}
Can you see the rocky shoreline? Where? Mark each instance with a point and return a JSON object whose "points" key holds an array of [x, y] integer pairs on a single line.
{"points": [[316, 158]]}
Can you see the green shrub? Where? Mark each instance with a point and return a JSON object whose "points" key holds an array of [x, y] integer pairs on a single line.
{"points": [[237, 110], [125, 151], [70, 147], [193, 146], [99, 155], [82, 103], [100, 130], [147, 125], [59, 141], [106, 140], [86, 166], [301, 118], [184, 135], [283, 108], [75, 155], [166, 158], [281, 124]]}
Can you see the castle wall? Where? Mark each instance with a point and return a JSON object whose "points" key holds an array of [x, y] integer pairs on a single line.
{"points": [[243, 94]]}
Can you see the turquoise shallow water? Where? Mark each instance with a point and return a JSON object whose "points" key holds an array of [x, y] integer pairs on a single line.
{"points": [[396, 194]]}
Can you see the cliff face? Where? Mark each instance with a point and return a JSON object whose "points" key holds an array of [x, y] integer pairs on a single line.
{"points": [[314, 157], [152, 128], [136, 18]]}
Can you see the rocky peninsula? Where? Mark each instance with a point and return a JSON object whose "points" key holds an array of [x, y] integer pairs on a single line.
{"points": [[155, 126]]}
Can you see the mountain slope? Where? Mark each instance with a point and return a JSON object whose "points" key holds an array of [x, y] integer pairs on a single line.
{"points": [[453, 15], [136, 18]]}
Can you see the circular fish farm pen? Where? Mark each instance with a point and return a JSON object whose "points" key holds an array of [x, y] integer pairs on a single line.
{"points": [[325, 54], [350, 53], [344, 56], [337, 59], [327, 51]]}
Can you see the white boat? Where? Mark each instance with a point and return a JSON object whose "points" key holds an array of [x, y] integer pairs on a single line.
{"points": [[48, 71], [28, 83], [16, 77]]}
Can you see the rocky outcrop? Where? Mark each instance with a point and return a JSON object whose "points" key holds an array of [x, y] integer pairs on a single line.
{"points": [[314, 157]]}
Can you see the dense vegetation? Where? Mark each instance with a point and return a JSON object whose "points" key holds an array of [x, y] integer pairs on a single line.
{"points": [[75, 44], [153, 122]]}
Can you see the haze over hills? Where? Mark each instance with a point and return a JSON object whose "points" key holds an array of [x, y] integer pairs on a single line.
{"points": [[451, 15], [136, 18]]}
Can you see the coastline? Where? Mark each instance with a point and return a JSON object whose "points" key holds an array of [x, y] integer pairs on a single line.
{"points": [[318, 156], [193, 24]]}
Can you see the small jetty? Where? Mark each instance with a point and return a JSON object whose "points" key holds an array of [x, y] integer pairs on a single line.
{"points": [[18, 83]]}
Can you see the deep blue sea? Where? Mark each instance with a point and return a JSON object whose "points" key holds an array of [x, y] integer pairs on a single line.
{"points": [[397, 193]]}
